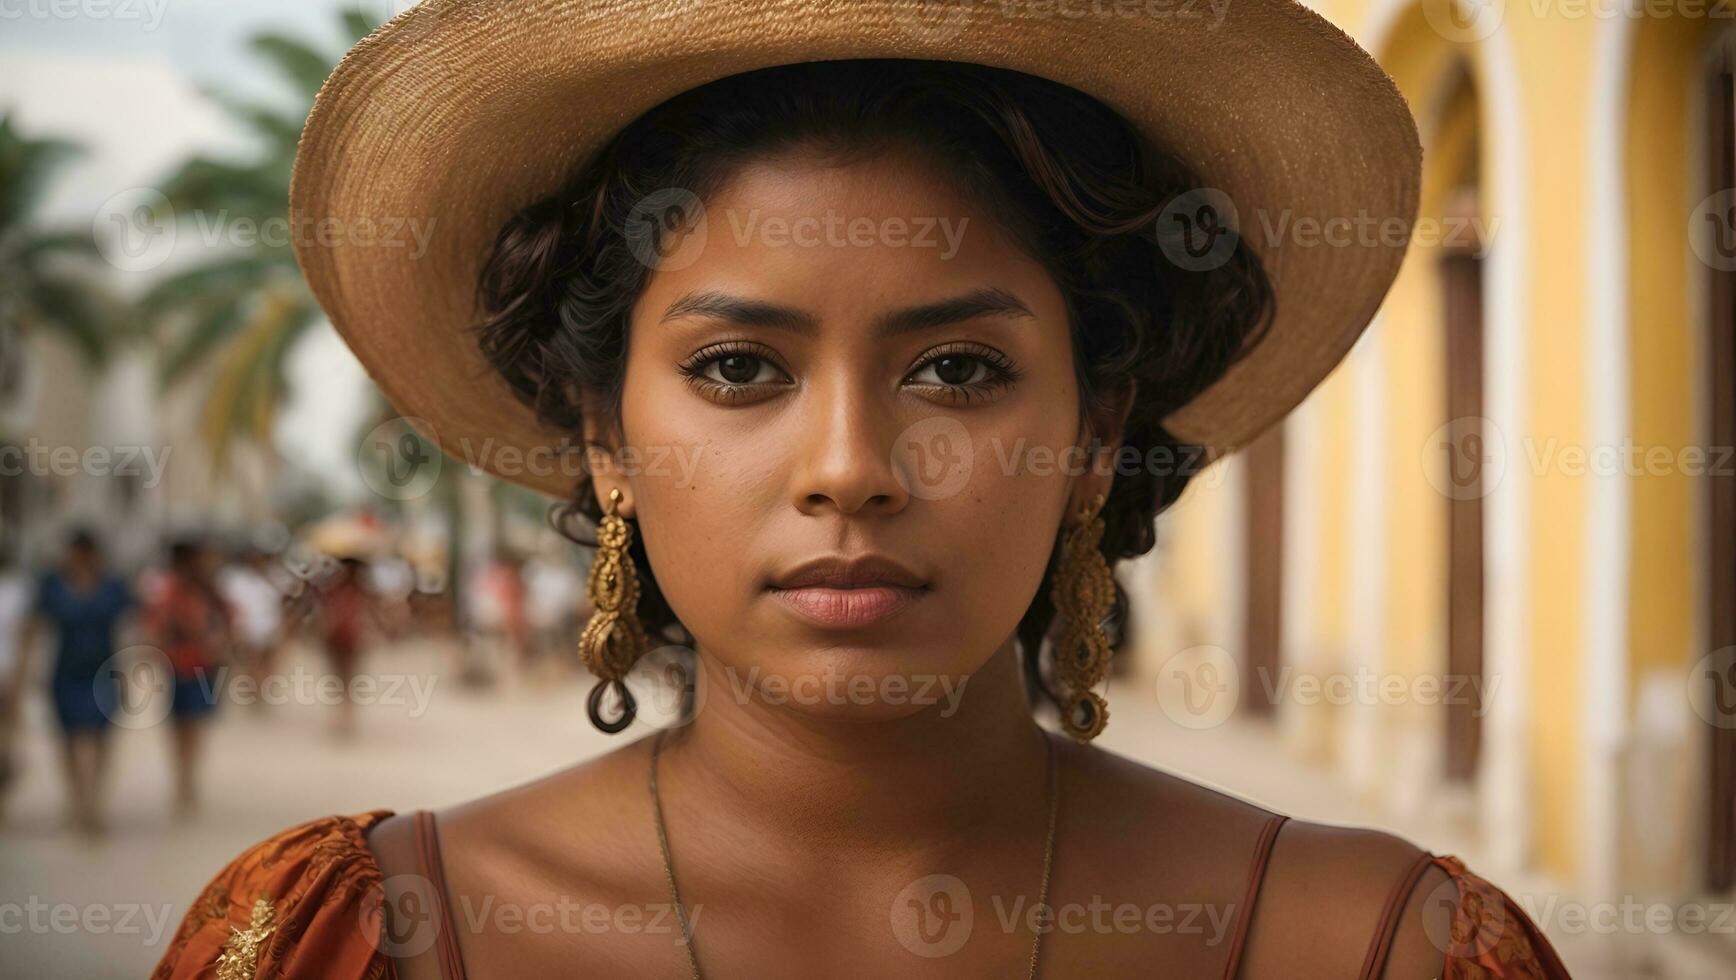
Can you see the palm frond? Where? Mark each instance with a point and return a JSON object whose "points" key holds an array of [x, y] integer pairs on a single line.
{"points": [[298, 62], [252, 378], [271, 378], [26, 167], [237, 272], [217, 191], [280, 129], [72, 309], [225, 412], [223, 317], [358, 25], [53, 245]]}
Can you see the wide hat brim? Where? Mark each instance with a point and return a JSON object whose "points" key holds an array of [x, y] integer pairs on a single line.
{"points": [[444, 122]]}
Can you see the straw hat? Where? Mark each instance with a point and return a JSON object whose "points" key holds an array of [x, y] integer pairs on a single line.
{"points": [[444, 122]]}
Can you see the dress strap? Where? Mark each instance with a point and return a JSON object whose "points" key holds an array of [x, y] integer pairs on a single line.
{"points": [[446, 941], [1256, 875], [1375, 961]]}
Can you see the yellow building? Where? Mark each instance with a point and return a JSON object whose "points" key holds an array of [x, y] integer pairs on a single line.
{"points": [[1514, 505]]}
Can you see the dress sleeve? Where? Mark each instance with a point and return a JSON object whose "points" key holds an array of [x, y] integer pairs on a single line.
{"points": [[305, 902], [1491, 937]]}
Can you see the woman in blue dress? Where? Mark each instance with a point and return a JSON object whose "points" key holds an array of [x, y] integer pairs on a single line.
{"points": [[84, 602]]}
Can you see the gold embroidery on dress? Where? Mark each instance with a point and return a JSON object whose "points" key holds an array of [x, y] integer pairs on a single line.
{"points": [[240, 959]]}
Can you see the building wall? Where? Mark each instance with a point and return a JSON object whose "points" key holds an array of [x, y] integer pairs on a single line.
{"points": [[1591, 581]]}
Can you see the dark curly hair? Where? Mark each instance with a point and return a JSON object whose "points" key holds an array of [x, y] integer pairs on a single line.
{"points": [[1066, 177]]}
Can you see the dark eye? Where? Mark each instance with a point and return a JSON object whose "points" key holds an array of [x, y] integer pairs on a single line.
{"points": [[732, 374], [739, 369], [964, 373], [954, 369]]}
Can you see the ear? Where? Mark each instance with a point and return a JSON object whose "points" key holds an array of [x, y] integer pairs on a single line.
{"points": [[1100, 434], [603, 456]]}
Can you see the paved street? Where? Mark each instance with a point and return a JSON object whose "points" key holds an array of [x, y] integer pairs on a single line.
{"points": [[265, 772]]}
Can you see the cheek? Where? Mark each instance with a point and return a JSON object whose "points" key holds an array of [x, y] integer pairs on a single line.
{"points": [[700, 498], [696, 535], [1002, 525]]}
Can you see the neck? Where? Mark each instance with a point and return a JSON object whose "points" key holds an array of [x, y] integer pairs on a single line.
{"points": [[924, 780]]}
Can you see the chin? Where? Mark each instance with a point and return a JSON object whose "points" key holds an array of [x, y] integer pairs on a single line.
{"points": [[853, 679]]}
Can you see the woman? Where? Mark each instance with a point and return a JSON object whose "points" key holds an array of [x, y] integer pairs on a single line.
{"points": [[191, 622], [247, 587], [827, 313], [347, 619], [85, 604], [17, 592]]}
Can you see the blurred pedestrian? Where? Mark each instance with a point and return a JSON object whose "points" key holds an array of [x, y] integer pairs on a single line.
{"points": [[84, 602], [498, 609], [347, 618], [16, 594], [553, 591], [192, 624], [257, 602]]}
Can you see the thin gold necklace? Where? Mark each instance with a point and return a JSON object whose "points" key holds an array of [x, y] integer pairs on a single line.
{"points": [[681, 910]]}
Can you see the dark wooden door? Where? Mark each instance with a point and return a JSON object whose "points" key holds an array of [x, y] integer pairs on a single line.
{"points": [[1462, 302], [1720, 552], [1265, 564]]}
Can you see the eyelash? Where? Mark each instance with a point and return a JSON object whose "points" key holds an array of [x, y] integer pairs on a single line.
{"points": [[1002, 372]]}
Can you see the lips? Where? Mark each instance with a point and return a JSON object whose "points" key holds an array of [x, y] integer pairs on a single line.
{"points": [[837, 592], [840, 572]]}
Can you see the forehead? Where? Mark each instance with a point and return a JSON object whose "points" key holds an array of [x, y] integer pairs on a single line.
{"points": [[856, 236]]}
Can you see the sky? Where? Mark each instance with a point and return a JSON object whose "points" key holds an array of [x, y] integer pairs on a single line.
{"points": [[125, 79]]}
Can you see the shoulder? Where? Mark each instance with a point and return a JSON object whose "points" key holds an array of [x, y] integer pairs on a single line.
{"points": [[1330, 900], [1481, 928], [1367, 903], [302, 902], [1357, 896]]}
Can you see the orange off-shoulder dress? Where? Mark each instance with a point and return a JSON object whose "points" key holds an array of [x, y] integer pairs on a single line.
{"points": [[310, 902]]}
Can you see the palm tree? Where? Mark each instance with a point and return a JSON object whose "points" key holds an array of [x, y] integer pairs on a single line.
{"points": [[49, 278], [50, 281], [246, 307]]}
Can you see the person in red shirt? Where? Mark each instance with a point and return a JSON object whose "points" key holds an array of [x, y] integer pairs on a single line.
{"points": [[348, 619], [192, 625]]}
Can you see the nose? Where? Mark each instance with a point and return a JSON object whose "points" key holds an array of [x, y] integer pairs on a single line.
{"points": [[845, 463]]}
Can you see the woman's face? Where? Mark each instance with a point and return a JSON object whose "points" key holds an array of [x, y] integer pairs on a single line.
{"points": [[849, 361]]}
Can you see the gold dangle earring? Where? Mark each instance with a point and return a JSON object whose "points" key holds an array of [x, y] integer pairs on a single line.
{"points": [[1082, 593], [614, 638]]}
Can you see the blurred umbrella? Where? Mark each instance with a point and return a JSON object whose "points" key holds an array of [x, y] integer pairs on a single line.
{"points": [[349, 535]]}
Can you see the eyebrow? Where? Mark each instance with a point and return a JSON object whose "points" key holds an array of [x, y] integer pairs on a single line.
{"points": [[983, 302]]}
